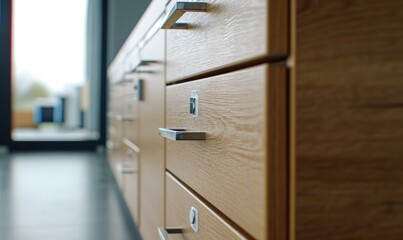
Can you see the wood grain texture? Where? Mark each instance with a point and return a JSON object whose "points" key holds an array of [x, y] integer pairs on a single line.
{"points": [[129, 87], [115, 139], [130, 48], [131, 128], [151, 117], [277, 153], [349, 120], [239, 165], [292, 121], [229, 32], [179, 202], [131, 185]]}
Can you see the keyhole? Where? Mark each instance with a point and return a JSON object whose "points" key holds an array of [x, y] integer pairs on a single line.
{"points": [[193, 106], [193, 219]]}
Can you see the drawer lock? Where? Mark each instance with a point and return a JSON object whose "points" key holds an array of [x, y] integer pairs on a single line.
{"points": [[194, 104]]}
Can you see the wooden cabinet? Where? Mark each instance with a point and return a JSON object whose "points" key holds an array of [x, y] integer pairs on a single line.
{"points": [[283, 120], [181, 201], [348, 85], [236, 176], [151, 117], [137, 105], [130, 180], [115, 131], [231, 167], [228, 33]]}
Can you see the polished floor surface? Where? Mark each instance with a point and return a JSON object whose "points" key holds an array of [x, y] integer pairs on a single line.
{"points": [[60, 196]]}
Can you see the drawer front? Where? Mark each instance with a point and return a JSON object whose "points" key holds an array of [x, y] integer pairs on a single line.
{"points": [[130, 176], [230, 169], [180, 201], [129, 88], [229, 32], [151, 117], [131, 195], [130, 119], [114, 91], [114, 143]]}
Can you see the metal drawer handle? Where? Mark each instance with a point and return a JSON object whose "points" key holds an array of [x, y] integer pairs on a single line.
{"points": [[178, 10], [124, 118], [111, 145], [122, 81], [181, 134], [131, 145], [123, 169], [163, 233], [133, 67]]}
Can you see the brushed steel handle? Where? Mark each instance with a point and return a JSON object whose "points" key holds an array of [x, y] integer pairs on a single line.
{"points": [[181, 134], [131, 145], [124, 118], [122, 168], [133, 67], [163, 233], [120, 117], [125, 79], [178, 10], [111, 145]]}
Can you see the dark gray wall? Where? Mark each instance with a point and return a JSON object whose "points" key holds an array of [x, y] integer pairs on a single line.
{"points": [[122, 17], [5, 72]]}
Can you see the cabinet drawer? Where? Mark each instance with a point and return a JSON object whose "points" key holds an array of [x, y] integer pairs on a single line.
{"points": [[130, 177], [229, 32], [180, 201], [152, 116], [130, 119], [243, 116]]}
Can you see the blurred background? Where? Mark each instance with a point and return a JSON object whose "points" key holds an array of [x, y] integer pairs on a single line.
{"points": [[58, 65]]}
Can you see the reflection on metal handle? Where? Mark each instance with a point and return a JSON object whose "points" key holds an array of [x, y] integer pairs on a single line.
{"points": [[111, 145], [178, 10], [163, 233], [131, 145], [125, 169], [122, 81], [181, 134], [124, 118], [135, 65]]}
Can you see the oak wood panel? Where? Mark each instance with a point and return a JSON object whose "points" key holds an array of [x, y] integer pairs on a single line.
{"points": [[151, 117], [128, 86], [349, 120], [114, 92], [292, 120], [131, 196], [179, 202], [130, 48], [131, 128], [240, 168], [115, 148], [229, 32], [131, 182]]}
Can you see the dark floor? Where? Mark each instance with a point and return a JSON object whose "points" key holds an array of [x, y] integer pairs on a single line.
{"points": [[63, 196]]}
